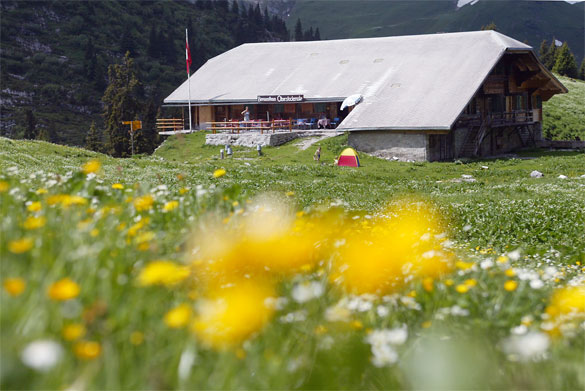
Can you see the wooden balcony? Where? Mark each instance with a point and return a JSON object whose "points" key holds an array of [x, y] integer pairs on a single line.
{"points": [[495, 120], [511, 118]]}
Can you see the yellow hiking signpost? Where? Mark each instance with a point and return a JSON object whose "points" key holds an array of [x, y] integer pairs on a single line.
{"points": [[134, 127]]}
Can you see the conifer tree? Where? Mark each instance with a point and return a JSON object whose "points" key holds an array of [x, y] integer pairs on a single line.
{"points": [[89, 61], [299, 30], [30, 125], [235, 8], [153, 49], [93, 139], [146, 140], [543, 52], [565, 63], [552, 55], [582, 70], [121, 103], [490, 26], [266, 17], [317, 36], [127, 41], [44, 135], [309, 34]]}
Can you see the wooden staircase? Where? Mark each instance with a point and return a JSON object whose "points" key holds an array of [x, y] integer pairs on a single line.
{"points": [[473, 140]]}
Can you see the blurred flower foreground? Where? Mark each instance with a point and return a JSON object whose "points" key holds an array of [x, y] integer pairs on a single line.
{"points": [[110, 286]]}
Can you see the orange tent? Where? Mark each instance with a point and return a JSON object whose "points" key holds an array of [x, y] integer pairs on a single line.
{"points": [[349, 158]]}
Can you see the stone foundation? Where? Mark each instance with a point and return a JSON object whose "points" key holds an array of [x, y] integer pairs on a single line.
{"points": [[391, 145], [252, 140]]}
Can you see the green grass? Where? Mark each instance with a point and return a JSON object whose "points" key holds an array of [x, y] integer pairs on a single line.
{"points": [[564, 114], [464, 335]]}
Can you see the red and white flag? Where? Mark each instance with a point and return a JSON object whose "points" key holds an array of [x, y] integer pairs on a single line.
{"points": [[187, 52]]}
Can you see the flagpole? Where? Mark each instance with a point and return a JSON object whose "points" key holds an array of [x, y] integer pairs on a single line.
{"points": [[189, 84]]}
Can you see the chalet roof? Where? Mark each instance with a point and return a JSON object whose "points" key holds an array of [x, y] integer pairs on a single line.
{"points": [[407, 82]]}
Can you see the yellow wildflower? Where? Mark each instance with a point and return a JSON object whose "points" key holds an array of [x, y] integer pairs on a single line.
{"points": [[91, 167], [87, 350], [502, 259], [14, 286], [569, 300], [510, 285], [73, 200], [145, 237], [4, 186], [219, 322], [20, 246], [320, 329], [118, 186], [171, 205], [463, 265], [462, 288], [178, 317], [73, 331], [470, 282], [136, 338], [428, 284], [356, 325], [63, 289], [32, 222], [449, 282], [163, 273], [219, 173], [42, 191], [34, 206], [426, 324], [379, 260], [510, 273], [183, 190], [143, 203], [94, 232], [290, 193], [240, 353], [132, 231]]}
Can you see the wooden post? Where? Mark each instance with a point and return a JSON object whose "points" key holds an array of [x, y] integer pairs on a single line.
{"points": [[273, 126], [290, 125]]}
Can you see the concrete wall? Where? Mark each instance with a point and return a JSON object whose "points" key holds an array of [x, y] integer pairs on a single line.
{"points": [[389, 144]]}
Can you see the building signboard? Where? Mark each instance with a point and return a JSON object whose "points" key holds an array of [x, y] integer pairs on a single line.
{"points": [[280, 98]]}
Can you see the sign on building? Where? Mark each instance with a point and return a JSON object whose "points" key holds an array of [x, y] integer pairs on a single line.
{"points": [[280, 98]]}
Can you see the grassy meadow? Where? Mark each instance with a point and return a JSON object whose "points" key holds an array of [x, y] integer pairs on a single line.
{"points": [[183, 271]]}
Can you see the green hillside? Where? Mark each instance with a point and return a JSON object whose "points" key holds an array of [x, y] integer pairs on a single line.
{"points": [[564, 114], [523, 20]]}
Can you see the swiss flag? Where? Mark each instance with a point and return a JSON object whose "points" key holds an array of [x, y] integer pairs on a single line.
{"points": [[187, 51]]}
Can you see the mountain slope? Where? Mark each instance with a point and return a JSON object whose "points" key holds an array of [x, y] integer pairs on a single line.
{"points": [[524, 20], [55, 54]]}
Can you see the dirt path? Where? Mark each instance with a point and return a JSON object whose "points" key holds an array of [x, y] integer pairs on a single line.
{"points": [[305, 143]]}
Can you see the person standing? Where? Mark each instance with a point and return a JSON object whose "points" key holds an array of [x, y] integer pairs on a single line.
{"points": [[317, 155], [246, 114]]}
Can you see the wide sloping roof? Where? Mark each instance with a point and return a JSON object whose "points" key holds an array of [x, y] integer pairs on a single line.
{"points": [[407, 82]]}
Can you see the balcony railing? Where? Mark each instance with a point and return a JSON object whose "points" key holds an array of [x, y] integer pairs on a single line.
{"points": [[511, 118], [498, 119]]}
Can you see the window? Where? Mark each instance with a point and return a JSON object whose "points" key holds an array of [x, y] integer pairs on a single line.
{"points": [[279, 108], [497, 103], [319, 107]]}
